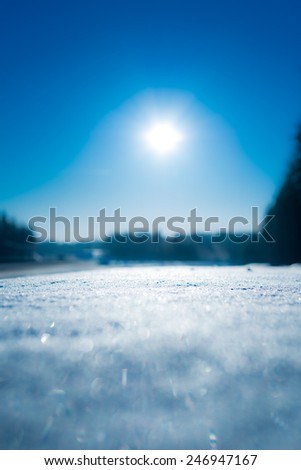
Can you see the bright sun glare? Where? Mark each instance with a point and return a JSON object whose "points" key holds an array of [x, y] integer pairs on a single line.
{"points": [[163, 138]]}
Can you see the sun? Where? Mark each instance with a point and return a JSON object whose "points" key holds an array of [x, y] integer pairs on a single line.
{"points": [[163, 137]]}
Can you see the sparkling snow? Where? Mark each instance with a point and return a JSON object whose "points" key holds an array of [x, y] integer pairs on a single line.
{"points": [[152, 357]]}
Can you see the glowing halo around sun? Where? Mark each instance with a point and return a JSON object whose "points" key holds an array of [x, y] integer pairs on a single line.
{"points": [[163, 138]]}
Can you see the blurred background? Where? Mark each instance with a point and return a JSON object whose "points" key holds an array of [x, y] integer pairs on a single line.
{"points": [[156, 108]]}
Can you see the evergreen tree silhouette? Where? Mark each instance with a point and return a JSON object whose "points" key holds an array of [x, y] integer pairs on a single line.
{"points": [[286, 226]]}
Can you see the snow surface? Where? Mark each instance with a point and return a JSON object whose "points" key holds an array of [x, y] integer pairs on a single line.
{"points": [[152, 357]]}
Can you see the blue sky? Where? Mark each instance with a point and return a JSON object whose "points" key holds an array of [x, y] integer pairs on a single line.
{"points": [[80, 79]]}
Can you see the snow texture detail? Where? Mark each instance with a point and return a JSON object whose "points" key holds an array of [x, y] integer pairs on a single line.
{"points": [[152, 358]]}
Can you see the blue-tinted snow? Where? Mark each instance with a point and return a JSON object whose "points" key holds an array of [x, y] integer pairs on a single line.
{"points": [[152, 357]]}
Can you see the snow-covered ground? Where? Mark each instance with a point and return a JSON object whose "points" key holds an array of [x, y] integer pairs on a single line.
{"points": [[152, 357]]}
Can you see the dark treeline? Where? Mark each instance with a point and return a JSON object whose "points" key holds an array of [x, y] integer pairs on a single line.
{"points": [[187, 250], [285, 228], [13, 245]]}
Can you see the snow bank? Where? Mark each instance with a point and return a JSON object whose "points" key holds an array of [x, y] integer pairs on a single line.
{"points": [[152, 357]]}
